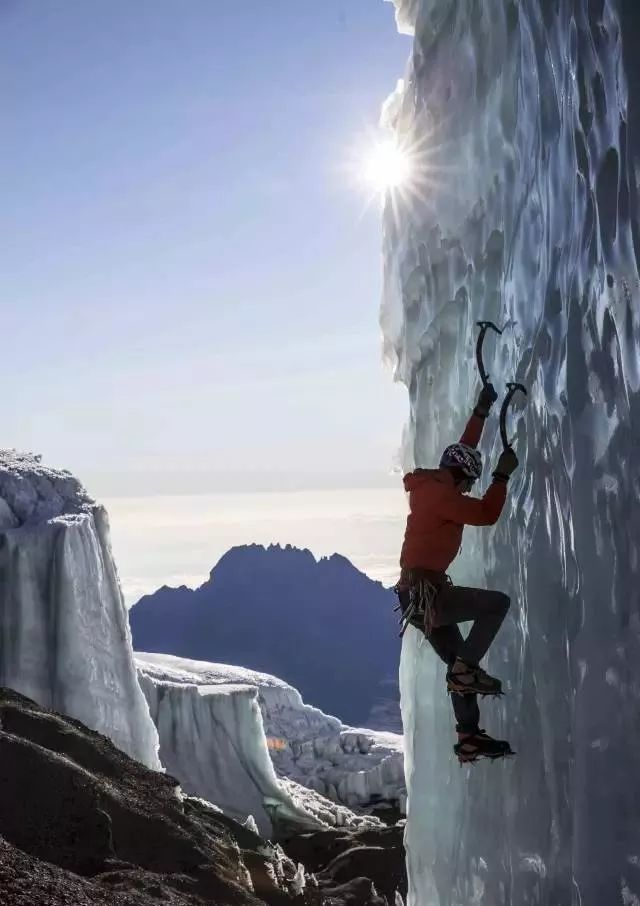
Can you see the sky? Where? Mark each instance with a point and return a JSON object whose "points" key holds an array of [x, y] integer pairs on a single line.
{"points": [[190, 276], [176, 540], [191, 269]]}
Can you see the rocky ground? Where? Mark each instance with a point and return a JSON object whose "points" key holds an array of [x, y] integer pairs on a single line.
{"points": [[81, 823]]}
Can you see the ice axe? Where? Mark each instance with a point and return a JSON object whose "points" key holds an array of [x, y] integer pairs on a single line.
{"points": [[484, 327], [512, 389]]}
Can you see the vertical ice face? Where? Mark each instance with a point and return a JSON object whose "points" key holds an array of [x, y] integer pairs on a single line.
{"points": [[64, 634], [248, 743], [213, 741], [528, 117], [406, 13]]}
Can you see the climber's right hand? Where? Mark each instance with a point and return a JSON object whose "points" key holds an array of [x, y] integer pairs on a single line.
{"points": [[507, 464], [487, 398]]}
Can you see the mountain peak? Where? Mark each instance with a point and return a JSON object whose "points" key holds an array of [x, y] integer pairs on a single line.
{"points": [[245, 556], [277, 609]]}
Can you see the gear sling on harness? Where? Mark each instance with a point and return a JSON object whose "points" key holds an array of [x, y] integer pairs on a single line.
{"points": [[421, 610]]}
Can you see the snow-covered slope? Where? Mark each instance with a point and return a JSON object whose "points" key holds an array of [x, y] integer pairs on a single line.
{"points": [[527, 116], [219, 724], [64, 634]]}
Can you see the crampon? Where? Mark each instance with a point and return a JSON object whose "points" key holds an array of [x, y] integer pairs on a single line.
{"points": [[480, 745], [465, 679]]}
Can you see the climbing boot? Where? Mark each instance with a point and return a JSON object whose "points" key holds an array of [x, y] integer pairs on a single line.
{"points": [[472, 746], [466, 679]]}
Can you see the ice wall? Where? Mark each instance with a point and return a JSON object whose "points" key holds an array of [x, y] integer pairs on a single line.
{"points": [[247, 742], [212, 740], [64, 634], [525, 117]]}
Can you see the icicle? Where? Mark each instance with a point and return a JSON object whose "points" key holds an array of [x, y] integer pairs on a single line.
{"points": [[299, 881], [251, 825]]}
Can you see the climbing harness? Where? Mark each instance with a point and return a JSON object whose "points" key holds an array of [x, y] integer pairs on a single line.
{"points": [[421, 611], [421, 596]]}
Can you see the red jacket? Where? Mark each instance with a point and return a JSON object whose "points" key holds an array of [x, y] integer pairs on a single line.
{"points": [[438, 511]]}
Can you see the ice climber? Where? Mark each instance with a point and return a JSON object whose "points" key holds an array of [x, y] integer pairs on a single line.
{"points": [[439, 510]]}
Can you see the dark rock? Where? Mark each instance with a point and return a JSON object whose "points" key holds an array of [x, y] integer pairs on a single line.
{"points": [[82, 823], [338, 856], [358, 892]]}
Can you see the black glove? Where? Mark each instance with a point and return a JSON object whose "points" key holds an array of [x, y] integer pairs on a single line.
{"points": [[507, 464], [487, 398]]}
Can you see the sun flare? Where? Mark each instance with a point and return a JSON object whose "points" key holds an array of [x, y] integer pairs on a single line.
{"points": [[396, 170], [387, 166]]}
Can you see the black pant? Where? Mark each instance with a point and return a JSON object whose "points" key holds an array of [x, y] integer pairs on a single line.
{"points": [[455, 604]]}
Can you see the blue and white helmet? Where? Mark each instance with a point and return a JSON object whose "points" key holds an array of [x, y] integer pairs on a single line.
{"points": [[460, 456]]}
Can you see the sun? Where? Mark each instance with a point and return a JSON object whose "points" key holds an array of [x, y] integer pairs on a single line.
{"points": [[395, 170], [387, 166]]}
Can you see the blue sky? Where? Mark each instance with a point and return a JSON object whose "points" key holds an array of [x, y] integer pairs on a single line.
{"points": [[190, 275]]}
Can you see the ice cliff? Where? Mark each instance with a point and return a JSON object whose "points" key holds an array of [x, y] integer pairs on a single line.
{"points": [[524, 122], [64, 634], [246, 741], [66, 644]]}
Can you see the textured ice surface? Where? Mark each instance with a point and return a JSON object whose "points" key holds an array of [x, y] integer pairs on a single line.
{"points": [[212, 740], [64, 633], [406, 13], [529, 115], [218, 725]]}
